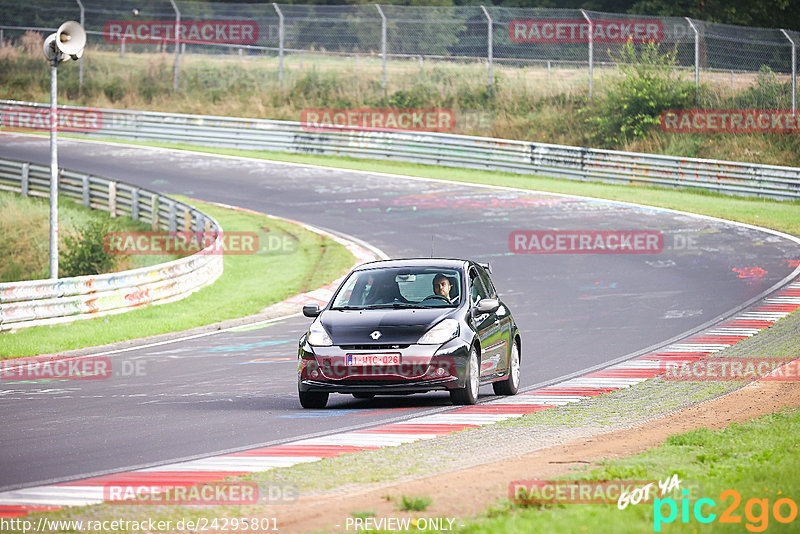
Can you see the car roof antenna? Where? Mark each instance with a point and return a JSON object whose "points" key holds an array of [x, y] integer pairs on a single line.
{"points": [[431, 245]]}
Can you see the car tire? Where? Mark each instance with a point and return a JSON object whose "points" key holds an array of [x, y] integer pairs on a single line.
{"points": [[510, 385], [313, 399], [469, 393], [364, 395]]}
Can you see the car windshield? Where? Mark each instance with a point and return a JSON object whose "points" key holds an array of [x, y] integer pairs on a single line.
{"points": [[400, 287]]}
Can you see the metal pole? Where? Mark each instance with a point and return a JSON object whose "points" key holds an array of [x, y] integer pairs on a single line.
{"points": [[80, 68], [489, 51], [54, 166], [591, 52], [177, 45], [383, 44], [794, 71], [280, 42], [696, 56]]}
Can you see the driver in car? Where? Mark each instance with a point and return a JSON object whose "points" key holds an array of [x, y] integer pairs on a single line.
{"points": [[441, 286]]}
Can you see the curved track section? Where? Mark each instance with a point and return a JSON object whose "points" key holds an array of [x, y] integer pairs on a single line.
{"points": [[236, 390]]}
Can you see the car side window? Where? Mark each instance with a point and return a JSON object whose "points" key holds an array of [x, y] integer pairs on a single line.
{"points": [[476, 289], [487, 282]]}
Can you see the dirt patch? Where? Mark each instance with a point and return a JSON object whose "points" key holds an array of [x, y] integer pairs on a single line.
{"points": [[463, 493]]}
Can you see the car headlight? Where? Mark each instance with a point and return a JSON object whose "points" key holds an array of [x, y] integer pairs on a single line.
{"points": [[317, 336], [441, 333]]}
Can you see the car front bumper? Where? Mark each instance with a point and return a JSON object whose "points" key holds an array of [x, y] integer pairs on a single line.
{"points": [[421, 368]]}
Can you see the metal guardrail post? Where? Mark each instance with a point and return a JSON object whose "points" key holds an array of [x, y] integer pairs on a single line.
{"points": [[383, 45], [112, 199], [80, 62], [794, 71], [280, 42], [26, 168], [85, 191], [135, 204], [696, 56], [173, 217], [154, 207], [177, 45], [591, 52], [489, 51]]}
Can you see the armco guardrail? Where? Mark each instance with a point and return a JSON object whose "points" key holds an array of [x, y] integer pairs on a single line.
{"points": [[37, 302], [451, 150]]}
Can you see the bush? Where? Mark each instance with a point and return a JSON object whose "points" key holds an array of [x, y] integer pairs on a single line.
{"points": [[767, 93], [85, 253], [633, 102]]}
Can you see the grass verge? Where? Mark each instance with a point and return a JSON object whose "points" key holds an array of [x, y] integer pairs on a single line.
{"points": [[759, 460], [249, 284], [777, 215]]}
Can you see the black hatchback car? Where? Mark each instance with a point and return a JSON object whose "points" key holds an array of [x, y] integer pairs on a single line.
{"points": [[410, 326]]}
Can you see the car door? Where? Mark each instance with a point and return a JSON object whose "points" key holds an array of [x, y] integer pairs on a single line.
{"points": [[487, 325], [503, 316]]}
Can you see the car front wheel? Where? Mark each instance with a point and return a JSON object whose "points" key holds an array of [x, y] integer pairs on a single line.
{"points": [[469, 393], [313, 399]]}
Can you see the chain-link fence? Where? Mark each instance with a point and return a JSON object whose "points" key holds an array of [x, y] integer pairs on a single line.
{"points": [[394, 44]]}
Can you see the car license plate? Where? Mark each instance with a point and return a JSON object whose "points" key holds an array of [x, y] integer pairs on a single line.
{"points": [[373, 359]]}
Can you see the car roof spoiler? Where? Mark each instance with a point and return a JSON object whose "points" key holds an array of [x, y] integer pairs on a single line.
{"points": [[486, 266]]}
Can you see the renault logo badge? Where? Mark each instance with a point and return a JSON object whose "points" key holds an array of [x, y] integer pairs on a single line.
{"points": [[375, 335]]}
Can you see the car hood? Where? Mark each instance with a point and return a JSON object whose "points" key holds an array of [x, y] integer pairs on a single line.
{"points": [[353, 327]]}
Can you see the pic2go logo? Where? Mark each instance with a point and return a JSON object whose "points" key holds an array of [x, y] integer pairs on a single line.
{"points": [[756, 511]]}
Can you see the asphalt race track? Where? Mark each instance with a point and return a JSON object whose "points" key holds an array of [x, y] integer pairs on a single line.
{"points": [[236, 390]]}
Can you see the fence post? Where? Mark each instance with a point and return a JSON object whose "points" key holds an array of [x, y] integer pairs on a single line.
{"points": [[489, 51], [80, 63], [591, 52], [280, 42], [383, 45], [696, 56], [122, 47], [794, 71], [26, 167], [177, 45]]}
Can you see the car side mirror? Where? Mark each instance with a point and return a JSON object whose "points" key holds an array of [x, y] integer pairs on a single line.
{"points": [[311, 310], [487, 306]]}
